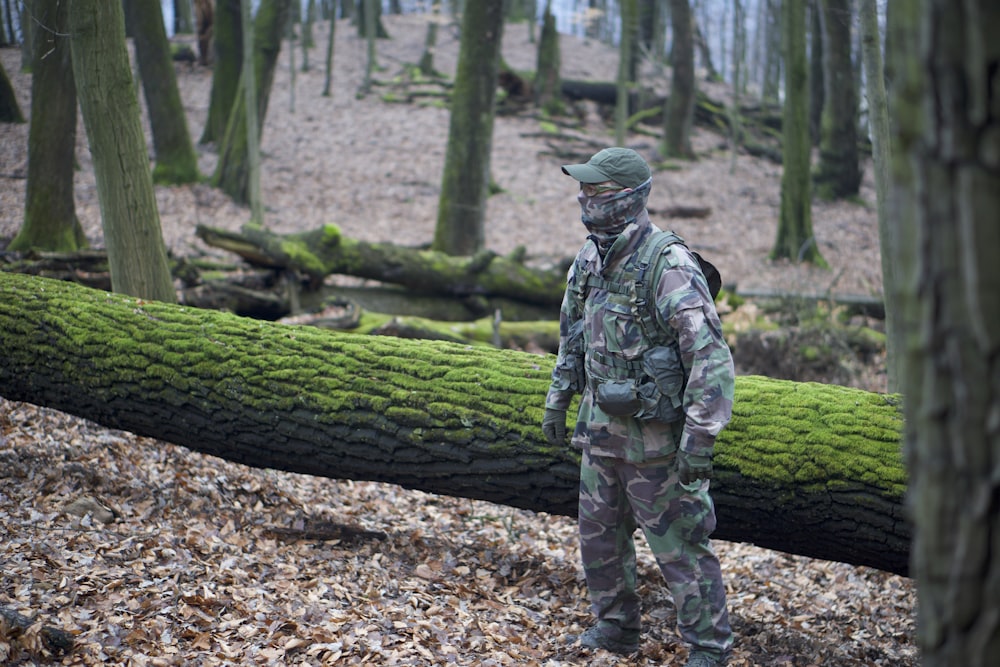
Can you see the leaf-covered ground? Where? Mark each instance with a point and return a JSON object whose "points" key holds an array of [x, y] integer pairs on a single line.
{"points": [[153, 555]]}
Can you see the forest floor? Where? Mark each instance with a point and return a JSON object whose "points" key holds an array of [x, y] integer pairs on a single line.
{"points": [[200, 561]]}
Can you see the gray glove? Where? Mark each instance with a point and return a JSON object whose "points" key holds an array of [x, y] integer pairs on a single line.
{"points": [[692, 468], [554, 426]]}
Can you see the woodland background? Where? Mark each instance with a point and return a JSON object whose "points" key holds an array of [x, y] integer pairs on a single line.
{"points": [[204, 561]]}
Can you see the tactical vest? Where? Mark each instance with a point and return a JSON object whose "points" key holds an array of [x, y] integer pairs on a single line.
{"points": [[638, 279]]}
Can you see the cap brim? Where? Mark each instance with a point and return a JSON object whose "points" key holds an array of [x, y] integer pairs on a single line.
{"points": [[585, 173]]}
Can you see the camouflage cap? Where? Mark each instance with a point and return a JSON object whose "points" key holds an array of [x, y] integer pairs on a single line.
{"points": [[621, 165]]}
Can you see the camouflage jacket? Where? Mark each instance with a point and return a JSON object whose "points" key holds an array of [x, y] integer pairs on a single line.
{"points": [[598, 329]]}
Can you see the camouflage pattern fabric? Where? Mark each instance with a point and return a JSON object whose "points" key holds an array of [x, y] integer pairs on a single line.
{"points": [[597, 325], [615, 498], [628, 473]]}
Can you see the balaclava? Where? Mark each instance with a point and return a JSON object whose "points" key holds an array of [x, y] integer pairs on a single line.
{"points": [[608, 214]]}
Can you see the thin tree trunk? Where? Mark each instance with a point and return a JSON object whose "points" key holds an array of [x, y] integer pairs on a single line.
{"points": [[817, 88], [466, 179], [227, 64], [50, 221], [328, 72], [249, 86], [10, 111], [176, 161], [136, 253], [802, 467], [183, 17], [878, 112], [839, 169], [625, 82], [232, 171], [547, 92], [368, 15], [680, 105], [795, 239]]}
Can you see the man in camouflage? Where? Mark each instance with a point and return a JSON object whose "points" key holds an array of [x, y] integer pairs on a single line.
{"points": [[656, 379]]}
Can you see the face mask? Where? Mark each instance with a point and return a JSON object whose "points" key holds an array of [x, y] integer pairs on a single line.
{"points": [[607, 215]]}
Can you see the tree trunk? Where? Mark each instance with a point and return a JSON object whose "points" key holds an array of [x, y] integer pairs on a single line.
{"points": [[324, 251], [227, 34], [629, 12], [176, 161], [466, 179], [183, 17], [546, 87], [773, 30], [10, 111], [795, 239], [248, 85], [950, 140], [680, 105], [328, 70], [817, 92], [804, 468], [136, 252], [878, 112], [50, 221], [839, 171], [232, 170]]}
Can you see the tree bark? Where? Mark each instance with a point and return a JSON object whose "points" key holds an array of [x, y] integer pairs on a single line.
{"points": [[626, 80], [680, 106], [321, 252], [946, 64], [232, 170], [227, 49], [804, 468], [136, 252], [50, 221], [878, 112], [838, 173], [176, 161], [548, 64], [795, 239], [10, 111], [466, 179]]}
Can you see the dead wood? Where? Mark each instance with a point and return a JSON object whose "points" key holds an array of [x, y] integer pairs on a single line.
{"points": [[318, 253], [31, 635]]}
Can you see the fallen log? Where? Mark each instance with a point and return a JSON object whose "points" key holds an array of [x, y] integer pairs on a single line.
{"points": [[804, 468], [326, 251]]}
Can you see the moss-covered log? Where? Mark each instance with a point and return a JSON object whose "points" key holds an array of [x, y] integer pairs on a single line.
{"points": [[325, 251], [803, 468]]}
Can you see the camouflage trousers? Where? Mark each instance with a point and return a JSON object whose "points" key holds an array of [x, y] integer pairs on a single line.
{"points": [[615, 498]]}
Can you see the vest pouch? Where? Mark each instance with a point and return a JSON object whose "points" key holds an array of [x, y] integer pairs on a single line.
{"points": [[618, 398], [663, 364]]}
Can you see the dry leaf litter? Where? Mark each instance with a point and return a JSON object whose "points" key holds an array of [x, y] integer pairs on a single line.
{"points": [[150, 554]]}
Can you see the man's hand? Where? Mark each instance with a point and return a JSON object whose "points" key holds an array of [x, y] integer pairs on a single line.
{"points": [[554, 426], [692, 468]]}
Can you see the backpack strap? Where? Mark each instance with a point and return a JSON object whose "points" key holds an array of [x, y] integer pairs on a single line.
{"points": [[655, 247]]}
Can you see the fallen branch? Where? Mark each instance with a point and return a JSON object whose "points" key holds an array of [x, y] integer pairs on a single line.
{"points": [[31, 636]]}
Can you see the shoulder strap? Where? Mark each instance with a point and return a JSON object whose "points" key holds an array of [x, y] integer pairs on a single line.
{"points": [[652, 250]]}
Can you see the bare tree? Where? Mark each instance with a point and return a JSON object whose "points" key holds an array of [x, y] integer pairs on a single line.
{"points": [[838, 173], [137, 257], [176, 161], [466, 179], [680, 105], [50, 221], [878, 112], [795, 238]]}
